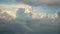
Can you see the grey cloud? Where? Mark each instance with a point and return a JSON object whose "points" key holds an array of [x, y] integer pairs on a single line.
{"points": [[39, 2], [58, 16], [20, 26]]}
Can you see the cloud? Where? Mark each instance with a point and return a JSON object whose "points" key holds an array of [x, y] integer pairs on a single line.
{"points": [[58, 16], [6, 14], [32, 25], [14, 6], [9, 9], [40, 15], [28, 9], [39, 2]]}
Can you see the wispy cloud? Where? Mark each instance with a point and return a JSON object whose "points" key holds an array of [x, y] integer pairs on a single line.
{"points": [[14, 6], [39, 2]]}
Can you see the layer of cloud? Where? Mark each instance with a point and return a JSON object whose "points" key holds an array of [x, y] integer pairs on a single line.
{"points": [[9, 9], [36, 15], [28, 9], [32, 25], [14, 6], [39, 2]]}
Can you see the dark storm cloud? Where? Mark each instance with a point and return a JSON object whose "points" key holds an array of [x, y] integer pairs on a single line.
{"points": [[39, 2]]}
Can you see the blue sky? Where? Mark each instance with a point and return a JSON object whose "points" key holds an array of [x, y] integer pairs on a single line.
{"points": [[7, 2]]}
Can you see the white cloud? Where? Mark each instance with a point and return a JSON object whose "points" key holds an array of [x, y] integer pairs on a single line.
{"points": [[8, 9], [36, 15], [14, 6], [28, 9]]}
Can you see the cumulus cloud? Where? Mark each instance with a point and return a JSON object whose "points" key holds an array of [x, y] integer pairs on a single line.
{"points": [[28, 9], [33, 24], [40, 15], [7, 14], [9, 9]]}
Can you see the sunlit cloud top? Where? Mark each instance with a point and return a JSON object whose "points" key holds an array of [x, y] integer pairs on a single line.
{"points": [[38, 8]]}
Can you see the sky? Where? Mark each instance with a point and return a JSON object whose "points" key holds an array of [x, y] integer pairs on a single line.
{"points": [[39, 15]]}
